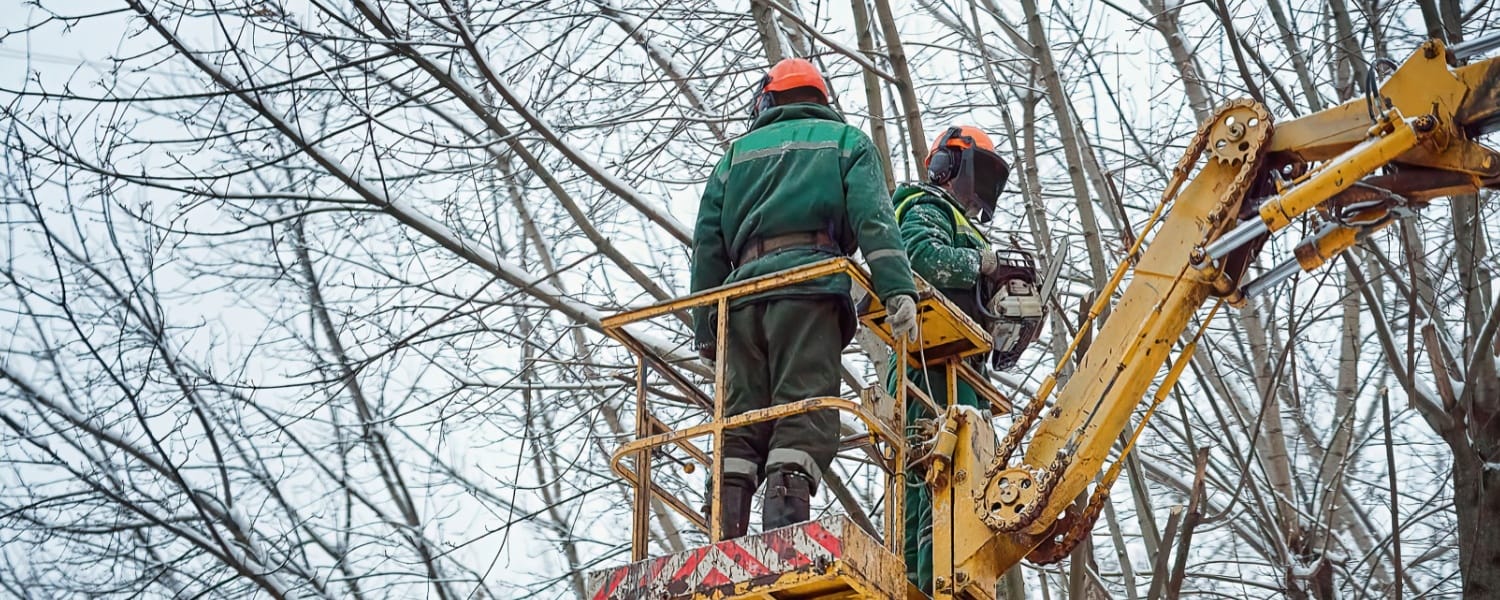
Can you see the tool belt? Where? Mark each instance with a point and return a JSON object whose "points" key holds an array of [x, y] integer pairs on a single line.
{"points": [[759, 247]]}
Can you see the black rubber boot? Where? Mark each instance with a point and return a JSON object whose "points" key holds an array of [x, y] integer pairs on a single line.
{"points": [[735, 502], [788, 500]]}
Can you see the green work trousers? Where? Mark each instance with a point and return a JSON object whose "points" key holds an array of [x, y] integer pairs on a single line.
{"points": [[783, 350], [917, 525]]}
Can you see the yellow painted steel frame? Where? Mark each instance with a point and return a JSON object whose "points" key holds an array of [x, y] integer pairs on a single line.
{"points": [[1095, 405], [1424, 118], [1423, 86], [947, 338], [1422, 122]]}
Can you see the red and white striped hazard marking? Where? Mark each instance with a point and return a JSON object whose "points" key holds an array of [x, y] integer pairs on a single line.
{"points": [[758, 559]]}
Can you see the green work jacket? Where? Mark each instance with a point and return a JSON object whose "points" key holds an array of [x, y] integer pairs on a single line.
{"points": [[799, 169], [943, 244]]}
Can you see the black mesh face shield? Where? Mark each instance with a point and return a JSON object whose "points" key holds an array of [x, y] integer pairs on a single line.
{"points": [[981, 178]]}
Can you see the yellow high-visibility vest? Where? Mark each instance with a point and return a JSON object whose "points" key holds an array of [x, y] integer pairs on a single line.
{"points": [[961, 222]]}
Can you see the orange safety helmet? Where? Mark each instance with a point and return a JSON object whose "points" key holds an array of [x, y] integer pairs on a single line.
{"points": [[964, 158], [788, 74], [964, 137], [794, 73]]}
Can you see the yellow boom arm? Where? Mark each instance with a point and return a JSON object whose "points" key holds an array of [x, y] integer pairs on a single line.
{"points": [[1252, 179]]}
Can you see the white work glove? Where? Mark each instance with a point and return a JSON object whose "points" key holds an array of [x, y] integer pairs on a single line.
{"points": [[901, 315], [988, 263]]}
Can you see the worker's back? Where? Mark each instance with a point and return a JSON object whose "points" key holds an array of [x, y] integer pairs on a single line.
{"points": [[799, 169]]}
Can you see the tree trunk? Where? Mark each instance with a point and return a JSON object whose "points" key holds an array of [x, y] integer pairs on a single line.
{"points": [[1351, 60], [1476, 497], [909, 104], [1299, 62], [1476, 440], [770, 36], [1272, 442], [1012, 585], [875, 106], [1057, 99], [1182, 56], [1452, 20]]}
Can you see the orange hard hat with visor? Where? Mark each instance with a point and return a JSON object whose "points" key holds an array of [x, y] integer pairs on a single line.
{"points": [[964, 159]]}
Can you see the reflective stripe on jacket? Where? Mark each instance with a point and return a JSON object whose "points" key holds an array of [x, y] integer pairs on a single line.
{"points": [[799, 169], [944, 246]]}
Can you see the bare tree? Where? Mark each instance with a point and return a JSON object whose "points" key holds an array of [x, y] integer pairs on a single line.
{"points": [[304, 298]]}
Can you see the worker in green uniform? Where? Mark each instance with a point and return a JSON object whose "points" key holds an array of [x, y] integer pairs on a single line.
{"points": [[802, 186], [964, 180]]}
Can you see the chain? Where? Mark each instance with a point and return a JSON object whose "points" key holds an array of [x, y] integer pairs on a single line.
{"points": [[1184, 167], [1075, 527], [1078, 526], [1045, 479]]}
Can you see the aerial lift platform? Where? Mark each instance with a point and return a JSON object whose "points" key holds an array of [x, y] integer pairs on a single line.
{"points": [[833, 557], [1343, 173]]}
